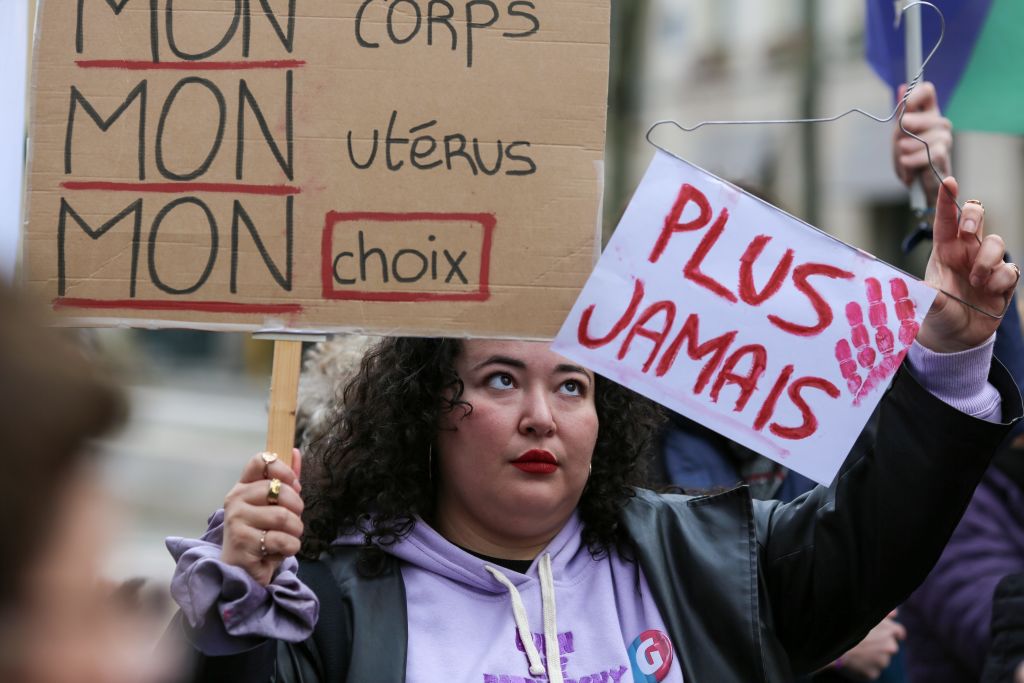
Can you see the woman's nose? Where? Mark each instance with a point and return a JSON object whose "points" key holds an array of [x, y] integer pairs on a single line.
{"points": [[537, 417]]}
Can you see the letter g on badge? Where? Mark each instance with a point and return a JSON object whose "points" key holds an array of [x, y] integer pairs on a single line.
{"points": [[650, 657]]}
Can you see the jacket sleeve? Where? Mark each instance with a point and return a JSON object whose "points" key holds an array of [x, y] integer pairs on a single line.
{"points": [[226, 609], [360, 633], [1007, 651], [836, 560], [277, 661], [956, 600]]}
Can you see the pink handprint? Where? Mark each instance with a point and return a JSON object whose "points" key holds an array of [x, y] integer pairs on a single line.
{"points": [[867, 358]]}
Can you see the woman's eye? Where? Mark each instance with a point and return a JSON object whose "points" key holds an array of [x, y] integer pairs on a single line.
{"points": [[572, 387], [500, 380]]}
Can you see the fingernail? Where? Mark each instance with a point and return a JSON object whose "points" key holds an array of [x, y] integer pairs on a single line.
{"points": [[975, 281], [970, 225]]}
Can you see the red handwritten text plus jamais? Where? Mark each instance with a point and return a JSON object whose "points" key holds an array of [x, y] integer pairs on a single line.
{"points": [[727, 359]]}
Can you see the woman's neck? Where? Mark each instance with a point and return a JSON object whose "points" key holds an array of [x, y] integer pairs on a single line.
{"points": [[475, 538]]}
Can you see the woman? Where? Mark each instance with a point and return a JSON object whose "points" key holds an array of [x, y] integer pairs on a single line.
{"points": [[472, 486]]}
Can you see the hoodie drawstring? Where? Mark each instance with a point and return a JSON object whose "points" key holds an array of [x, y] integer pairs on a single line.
{"points": [[547, 596]]}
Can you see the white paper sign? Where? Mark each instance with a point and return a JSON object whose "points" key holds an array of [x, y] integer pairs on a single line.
{"points": [[745, 319]]}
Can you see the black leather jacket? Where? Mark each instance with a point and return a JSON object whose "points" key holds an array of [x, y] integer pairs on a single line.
{"points": [[750, 591]]}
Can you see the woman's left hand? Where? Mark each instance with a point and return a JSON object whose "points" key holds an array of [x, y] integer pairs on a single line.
{"points": [[967, 263]]}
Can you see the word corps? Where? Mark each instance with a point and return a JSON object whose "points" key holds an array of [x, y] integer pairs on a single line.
{"points": [[724, 356]]}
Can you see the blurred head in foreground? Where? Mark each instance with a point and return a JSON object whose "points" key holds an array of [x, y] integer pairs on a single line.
{"points": [[58, 621]]}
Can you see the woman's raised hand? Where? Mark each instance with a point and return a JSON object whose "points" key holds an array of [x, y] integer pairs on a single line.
{"points": [[263, 516], [968, 264]]}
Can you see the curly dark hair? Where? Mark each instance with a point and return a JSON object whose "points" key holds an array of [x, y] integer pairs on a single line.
{"points": [[370, 473]]}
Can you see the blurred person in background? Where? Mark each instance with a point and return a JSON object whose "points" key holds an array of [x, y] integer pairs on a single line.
{"points": [[949, 616], [59, 621]]}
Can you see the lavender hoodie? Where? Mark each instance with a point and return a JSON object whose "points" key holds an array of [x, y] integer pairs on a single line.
{"points": [[581, 619], [598, 623], [590, 621]]}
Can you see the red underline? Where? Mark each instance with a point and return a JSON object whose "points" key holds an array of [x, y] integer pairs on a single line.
{"points": [[138, 65], [182, 188], [195, 306]]}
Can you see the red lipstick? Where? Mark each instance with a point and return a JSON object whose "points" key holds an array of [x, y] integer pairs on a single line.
{"points": [[536, 461]]}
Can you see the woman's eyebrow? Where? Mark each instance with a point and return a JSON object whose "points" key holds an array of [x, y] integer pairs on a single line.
{"points": [[565, 367], [501, 360]]}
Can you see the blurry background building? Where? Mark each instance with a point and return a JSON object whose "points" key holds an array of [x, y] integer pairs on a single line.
{"points": [[699, 60], [199, 398]]}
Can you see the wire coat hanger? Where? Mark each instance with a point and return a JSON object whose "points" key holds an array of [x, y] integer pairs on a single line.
{"points": [[897, 113]]}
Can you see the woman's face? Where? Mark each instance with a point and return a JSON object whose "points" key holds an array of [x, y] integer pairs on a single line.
{"points": [[513, 470]]}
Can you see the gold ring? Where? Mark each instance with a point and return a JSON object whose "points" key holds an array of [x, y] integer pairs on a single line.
{"points": [[975, 201], [263, 544], [273, 491], [268, 460]]}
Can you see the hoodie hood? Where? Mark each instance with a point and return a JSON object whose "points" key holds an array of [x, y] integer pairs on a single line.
{"points": [[427, 549]]}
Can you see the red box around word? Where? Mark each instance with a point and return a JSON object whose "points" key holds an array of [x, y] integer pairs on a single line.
{"points": [[486, 222]]}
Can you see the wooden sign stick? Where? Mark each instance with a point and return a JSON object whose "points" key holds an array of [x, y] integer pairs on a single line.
{"points": [[284, 387], [284, 391]]}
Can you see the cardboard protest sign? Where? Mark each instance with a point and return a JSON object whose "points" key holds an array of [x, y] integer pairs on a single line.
{"points": [[739, 316], [386, 165]]}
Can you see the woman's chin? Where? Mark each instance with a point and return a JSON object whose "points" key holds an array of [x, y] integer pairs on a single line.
{"points": [[533, 506]]}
